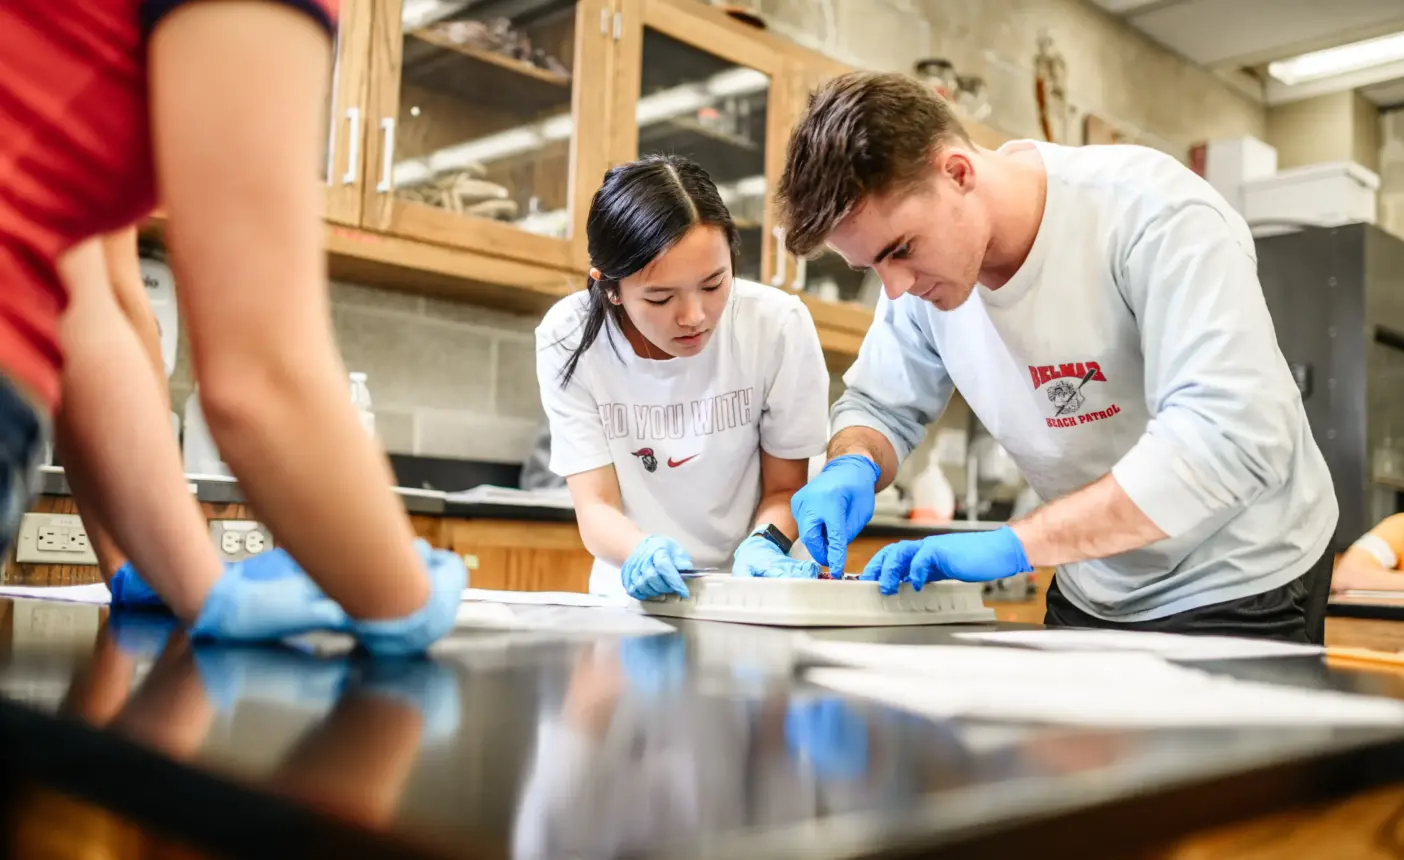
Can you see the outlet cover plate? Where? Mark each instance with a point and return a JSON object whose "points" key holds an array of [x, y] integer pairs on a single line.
{"points": [[236, 540], [53, 539]]}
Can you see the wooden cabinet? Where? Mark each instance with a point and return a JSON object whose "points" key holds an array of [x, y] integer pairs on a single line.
{"points": [[465, 141], [474, 126]]}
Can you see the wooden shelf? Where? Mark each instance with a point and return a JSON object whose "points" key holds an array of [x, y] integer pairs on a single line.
{"points": [[492, 58]]}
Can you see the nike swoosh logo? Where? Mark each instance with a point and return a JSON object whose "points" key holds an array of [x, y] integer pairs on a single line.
{"points": [[673, 464]]}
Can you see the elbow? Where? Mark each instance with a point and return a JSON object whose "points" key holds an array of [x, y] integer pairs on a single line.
{"points": [[247, 405]]}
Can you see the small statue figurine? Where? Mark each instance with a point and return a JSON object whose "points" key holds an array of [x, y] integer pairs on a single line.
{"points": [[1051, 89]]}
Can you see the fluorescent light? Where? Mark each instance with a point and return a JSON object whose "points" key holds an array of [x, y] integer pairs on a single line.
{"points": [[1340, 60]]}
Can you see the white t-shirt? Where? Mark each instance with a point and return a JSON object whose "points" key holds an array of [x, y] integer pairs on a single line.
{"points": [[1134, 340], [685, 434]]}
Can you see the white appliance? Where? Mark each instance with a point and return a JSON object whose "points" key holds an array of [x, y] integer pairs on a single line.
{"points": [[1230, 164], [1319, 195]]}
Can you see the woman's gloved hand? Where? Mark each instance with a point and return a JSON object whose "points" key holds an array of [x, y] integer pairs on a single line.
{"points": [[651, 570], [758, 556]]}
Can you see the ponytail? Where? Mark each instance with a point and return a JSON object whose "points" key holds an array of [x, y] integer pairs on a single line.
{"points": [[597, 314]]}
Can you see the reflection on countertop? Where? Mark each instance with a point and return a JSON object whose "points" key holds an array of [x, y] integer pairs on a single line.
{"points": [[699, 741]]}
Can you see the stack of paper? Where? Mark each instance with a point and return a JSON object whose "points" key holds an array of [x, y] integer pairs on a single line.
{"points": [[1076, 688], [490, 495]]}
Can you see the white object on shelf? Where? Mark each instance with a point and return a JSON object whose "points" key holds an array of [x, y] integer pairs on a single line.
{"points": [[1228, 164], [487, 494], [1322, 195], [361, 399], [822, 603]]}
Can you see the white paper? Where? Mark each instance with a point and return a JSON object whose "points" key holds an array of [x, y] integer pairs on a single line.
{"points": [[1171, 646], [1196, 700], [95, 594], [547, 598], [490, 495], [596, 621], [962, 663]]}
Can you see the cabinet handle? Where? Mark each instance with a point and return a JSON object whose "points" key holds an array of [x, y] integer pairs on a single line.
{"points": [[387, 163], [618, 25], [353, 151], [604, 22], [778, 279], [800, 266]]}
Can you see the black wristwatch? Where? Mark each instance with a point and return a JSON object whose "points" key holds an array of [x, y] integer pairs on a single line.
{"points": [[776, 537]]}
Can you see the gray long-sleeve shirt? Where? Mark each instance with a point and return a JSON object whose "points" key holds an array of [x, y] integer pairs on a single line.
{"points": [[1134, 340]]}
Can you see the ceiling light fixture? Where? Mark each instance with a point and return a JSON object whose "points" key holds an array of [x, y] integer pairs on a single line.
{"points": [[1339, 60]]}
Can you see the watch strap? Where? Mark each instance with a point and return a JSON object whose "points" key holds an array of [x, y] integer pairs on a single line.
{"points": [[775, 536]]}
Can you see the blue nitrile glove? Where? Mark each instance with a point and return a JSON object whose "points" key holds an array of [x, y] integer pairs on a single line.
{"points": [[968, 557], [129, 589], [263, 598], [428, 687], [654, 664], [834, 507], [830, 735], [234, 673], [413, 634], [651, 570], [758, 556]]}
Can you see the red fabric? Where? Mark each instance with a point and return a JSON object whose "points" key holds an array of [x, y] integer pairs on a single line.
{"points": [[75, 157]]}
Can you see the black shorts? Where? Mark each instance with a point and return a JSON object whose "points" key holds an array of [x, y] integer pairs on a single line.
{"points": [[1295, 612]]}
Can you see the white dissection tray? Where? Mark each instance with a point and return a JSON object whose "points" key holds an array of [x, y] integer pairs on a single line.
{"points": [[822, 603]]}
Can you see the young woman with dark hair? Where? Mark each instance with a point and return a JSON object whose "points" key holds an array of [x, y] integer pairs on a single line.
{"points": [[684, 403]]}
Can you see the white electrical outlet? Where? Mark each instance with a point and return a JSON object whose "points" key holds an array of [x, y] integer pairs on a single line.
{"points": [[53, 539], [237, 540]]}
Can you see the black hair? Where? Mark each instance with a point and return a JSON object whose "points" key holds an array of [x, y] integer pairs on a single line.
{"points": [[641, 210]]}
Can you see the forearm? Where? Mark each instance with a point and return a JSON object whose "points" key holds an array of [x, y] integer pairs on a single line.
{"points": [[606, 532], [869, 443], [87, 498], [235, 140], [774, 509], [1096, 521], [120, 455]]}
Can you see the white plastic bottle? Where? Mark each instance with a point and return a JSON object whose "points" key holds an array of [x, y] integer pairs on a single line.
{"points": [[361, 399], [201, 455]]}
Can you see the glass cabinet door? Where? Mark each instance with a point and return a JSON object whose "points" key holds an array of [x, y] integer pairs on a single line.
{"points": [[476, 130], [698, 91]]}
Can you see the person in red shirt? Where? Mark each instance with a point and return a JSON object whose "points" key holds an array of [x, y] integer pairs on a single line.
{"points": [[219, 104]]}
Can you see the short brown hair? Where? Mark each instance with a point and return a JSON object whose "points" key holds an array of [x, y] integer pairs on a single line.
{"points": [[863, 133]]}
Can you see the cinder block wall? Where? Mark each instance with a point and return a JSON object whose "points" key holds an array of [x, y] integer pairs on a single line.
{"points": [[455, 380]]}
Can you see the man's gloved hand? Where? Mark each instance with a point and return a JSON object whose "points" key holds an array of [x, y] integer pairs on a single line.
{"points": [[651, 570], [413, 634], [968, 557], [834, 507], [830, 735], [758, 556], [130, 590], [266, 597]]}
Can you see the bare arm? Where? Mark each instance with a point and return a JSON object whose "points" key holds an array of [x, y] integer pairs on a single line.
{"points": [[868, 443], [1096, 521], [606, 532], [238, 90], [119, 454], [779, 481], [124, 277]]}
